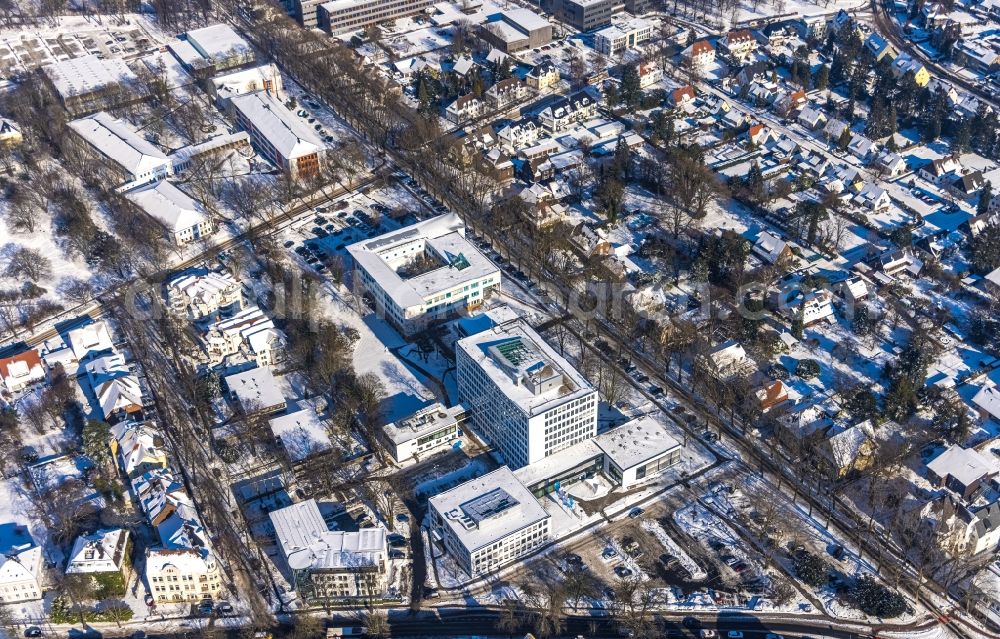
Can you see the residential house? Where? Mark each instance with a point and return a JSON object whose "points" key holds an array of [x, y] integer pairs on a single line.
{"points": [[905, 65], [880, 47], [962, 470], [739, 43], [899, 262], [987, 403], [138, 448], [729, 360], [505, 93], [967, 184], [90, 340], [834, 128], [774, 394], [941, 170], [811, 118], [649, 74], [699, 54], [961, 528], [563, 113], [862, 148], [464, 108], [682, 95], [790, 101], [255, 391], [853, 290], [771, 248], [249, 331], [758, 135], [20, 371], [874, 198], [851, 449], [518, 135], [542, 76], [20, 565], [892, 163], [104, 552], [116, 389]]}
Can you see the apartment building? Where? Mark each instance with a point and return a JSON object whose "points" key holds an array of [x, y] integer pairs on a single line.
{"points": [[488, 522], [305, 11], [465, 107], [341, 16], [200, 294], [250, 332], [284, 139], [331, 564], [428, 430], [699, 54], [424, 273], [182, 574], [523, 396], [255, 391]]}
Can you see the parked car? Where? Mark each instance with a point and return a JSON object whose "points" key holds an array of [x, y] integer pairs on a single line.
{"points": [[609, 553], [623, 572], [224, 607], [32, 631], [635, 512], [734, 634]]}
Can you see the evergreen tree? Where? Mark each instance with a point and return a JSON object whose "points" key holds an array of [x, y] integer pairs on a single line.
{"points": [[754, 183], [631, 90], [844, 139], [963, 137], [822, 78], [985, 197], [611, 95]]}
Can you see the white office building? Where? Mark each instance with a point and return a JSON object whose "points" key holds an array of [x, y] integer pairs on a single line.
{"points": [[488, 522], [429, 429], [115, 143], [617, 38], [523, 396], [424, 273]]}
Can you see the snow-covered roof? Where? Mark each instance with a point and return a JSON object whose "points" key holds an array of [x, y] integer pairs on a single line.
{"points": [[90, 339], [636, 442], [524, 367], [119, 142], [168, 205], [100, 551], [187, 561], [20, 556], [444, 236], [769, 246], [288, 134], [988, 399], [425, 421], [485, 510], [218, 41], [966, 465], [302, 434], [255, 388], [86, 74], [307, 542]]}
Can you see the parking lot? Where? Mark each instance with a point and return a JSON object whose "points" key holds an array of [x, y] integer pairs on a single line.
{"points": [[21, 52]]}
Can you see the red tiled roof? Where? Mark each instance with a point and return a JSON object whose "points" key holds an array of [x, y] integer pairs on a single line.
{"points": [[30, 357]]}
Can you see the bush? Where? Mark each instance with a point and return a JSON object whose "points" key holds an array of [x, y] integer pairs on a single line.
{"points": [[807, 368], [811, 569], [63, 613], [777, 371], [876, 600]]}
